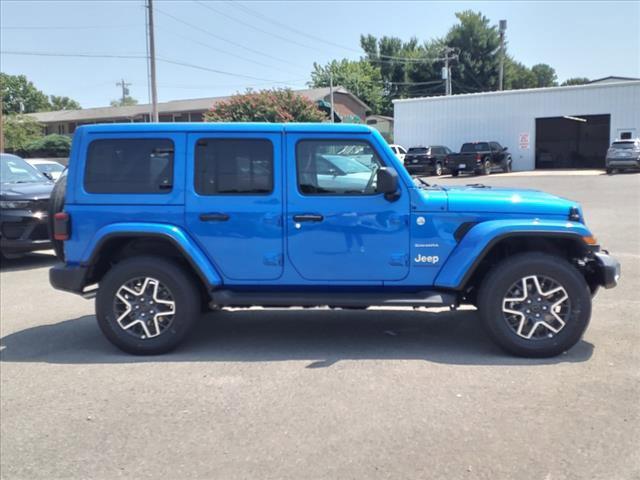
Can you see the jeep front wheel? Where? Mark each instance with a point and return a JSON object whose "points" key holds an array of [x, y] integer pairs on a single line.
{"points": [[147, 305], [535, 305]]}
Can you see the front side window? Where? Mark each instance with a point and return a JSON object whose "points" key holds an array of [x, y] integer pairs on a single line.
{"points": [[233, 166], [129, 165], [336, 167]]}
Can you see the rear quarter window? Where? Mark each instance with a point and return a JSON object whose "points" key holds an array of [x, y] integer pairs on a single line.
{"points": [[142, 166]]}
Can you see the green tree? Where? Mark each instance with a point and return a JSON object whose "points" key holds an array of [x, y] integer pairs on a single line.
{"points": [[545, 75], [477, 43], [408, 69], [53, 145], [126, 102], [359, 77], [277, 105], [63, 103], [19, 95], [518, 75], [575, 81], [20, 131]]}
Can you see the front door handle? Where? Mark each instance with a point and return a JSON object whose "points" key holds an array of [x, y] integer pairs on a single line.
{"points": [[308, 217], [214, 217]]}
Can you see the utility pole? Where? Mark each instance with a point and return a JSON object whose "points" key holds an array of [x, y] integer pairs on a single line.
{"points": [[503, 29], [125, 90], [1, 127], [152, 64], [446, 70], [331, 94]]}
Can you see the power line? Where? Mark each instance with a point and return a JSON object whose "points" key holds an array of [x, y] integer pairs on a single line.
{"points": [[214, 49], [275, 35], [160, 59], [387, 58], [72, 27], [218, 37]]}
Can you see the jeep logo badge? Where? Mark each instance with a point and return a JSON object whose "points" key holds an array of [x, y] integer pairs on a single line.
{"points": [[432, 259]]}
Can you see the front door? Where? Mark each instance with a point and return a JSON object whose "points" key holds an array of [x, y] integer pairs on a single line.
{"points": [[234, 202], [338, 228]]}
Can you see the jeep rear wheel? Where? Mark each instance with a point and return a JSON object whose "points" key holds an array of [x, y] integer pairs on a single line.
{"points": [[147, 305], [535, 305]]}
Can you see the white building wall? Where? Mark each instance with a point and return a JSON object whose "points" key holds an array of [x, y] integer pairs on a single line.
{"points": [[506, 116]]}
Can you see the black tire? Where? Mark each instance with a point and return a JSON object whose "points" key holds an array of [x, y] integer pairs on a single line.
{"points": [[454, 173], [499, 281], [486, 167], [611, 171], [508, 166], [438, 169], [56, 204], [179, 283]]}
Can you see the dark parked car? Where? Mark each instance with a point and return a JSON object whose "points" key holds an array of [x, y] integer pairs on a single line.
{"points": [[24, 206], [426, 160], [480, 158]]}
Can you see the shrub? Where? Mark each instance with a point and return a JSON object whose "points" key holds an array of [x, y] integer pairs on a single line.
{"points": [[49, 146]]}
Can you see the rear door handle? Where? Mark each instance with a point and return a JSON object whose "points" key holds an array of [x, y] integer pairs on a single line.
{"points": [[214, 217], [308, 217]]}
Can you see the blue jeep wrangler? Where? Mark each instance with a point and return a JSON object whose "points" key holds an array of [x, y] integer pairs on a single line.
{"points": [[160, 220]]}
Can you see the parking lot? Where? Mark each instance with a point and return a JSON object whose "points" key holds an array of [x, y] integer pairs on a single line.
{"points": [[328, 393]]}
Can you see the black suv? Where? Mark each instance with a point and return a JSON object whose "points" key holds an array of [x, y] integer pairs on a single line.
{"points": [[24, 206], [426, 160]]}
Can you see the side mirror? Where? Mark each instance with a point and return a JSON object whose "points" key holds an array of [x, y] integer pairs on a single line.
{"points": [[48, 175], [504, 149], [387, 183]]}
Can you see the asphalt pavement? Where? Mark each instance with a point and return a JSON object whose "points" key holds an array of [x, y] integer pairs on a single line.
{"points": [[327, 394]]}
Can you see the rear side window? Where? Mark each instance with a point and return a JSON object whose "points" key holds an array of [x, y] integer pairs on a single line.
{"points": [[233, 166], [132, 165]]}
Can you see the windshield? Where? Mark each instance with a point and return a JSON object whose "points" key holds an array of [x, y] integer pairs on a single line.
{"points": [[623, 145], [475, 147], [49, 167], [346, 164], [15, 170]]}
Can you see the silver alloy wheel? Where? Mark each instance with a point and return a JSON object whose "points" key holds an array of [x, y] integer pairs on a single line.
{"points": [[487, 167], [144, 307], [536, 307], [438, 169]]}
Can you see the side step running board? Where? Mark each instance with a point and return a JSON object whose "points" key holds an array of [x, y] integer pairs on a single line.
{"points": [[230, 298]]}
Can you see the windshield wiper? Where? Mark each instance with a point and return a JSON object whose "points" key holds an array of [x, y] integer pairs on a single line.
{"points": [[422, 181]]}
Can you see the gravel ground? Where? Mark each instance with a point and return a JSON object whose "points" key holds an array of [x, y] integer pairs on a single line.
{"points": [[293, 394]]}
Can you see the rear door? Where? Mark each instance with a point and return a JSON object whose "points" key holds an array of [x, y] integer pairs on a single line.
{"points": [[234, 202]]}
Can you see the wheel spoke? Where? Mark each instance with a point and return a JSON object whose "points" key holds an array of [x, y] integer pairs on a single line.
{"points": [[536, 307], [144, 307]]}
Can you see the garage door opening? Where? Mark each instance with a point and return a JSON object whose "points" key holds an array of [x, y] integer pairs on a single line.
{"points": [[572, 141]]}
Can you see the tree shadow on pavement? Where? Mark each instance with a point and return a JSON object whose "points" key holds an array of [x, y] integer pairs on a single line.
{"points": [[321, 336]]}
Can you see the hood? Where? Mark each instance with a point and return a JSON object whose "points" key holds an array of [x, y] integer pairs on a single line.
{"points": [[486, 199], [26, 191]]}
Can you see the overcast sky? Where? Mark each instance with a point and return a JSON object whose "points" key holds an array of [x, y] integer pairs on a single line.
{"points": [[590, 39]]}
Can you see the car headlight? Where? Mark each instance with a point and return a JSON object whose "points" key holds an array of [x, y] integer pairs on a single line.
{"points": [[14, 204]]}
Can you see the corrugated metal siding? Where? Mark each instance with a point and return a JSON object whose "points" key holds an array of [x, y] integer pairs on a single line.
{"points": [[504, 116]]}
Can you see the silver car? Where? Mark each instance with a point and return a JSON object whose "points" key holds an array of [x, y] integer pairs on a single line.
{"points": [[623, 155]]}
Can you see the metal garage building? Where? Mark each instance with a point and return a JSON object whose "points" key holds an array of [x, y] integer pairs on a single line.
{"points": [[559, 127]]}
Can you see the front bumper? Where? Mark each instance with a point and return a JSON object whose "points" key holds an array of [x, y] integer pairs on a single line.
{"points": [[23, 231], [68, 278], [607, 270]]}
